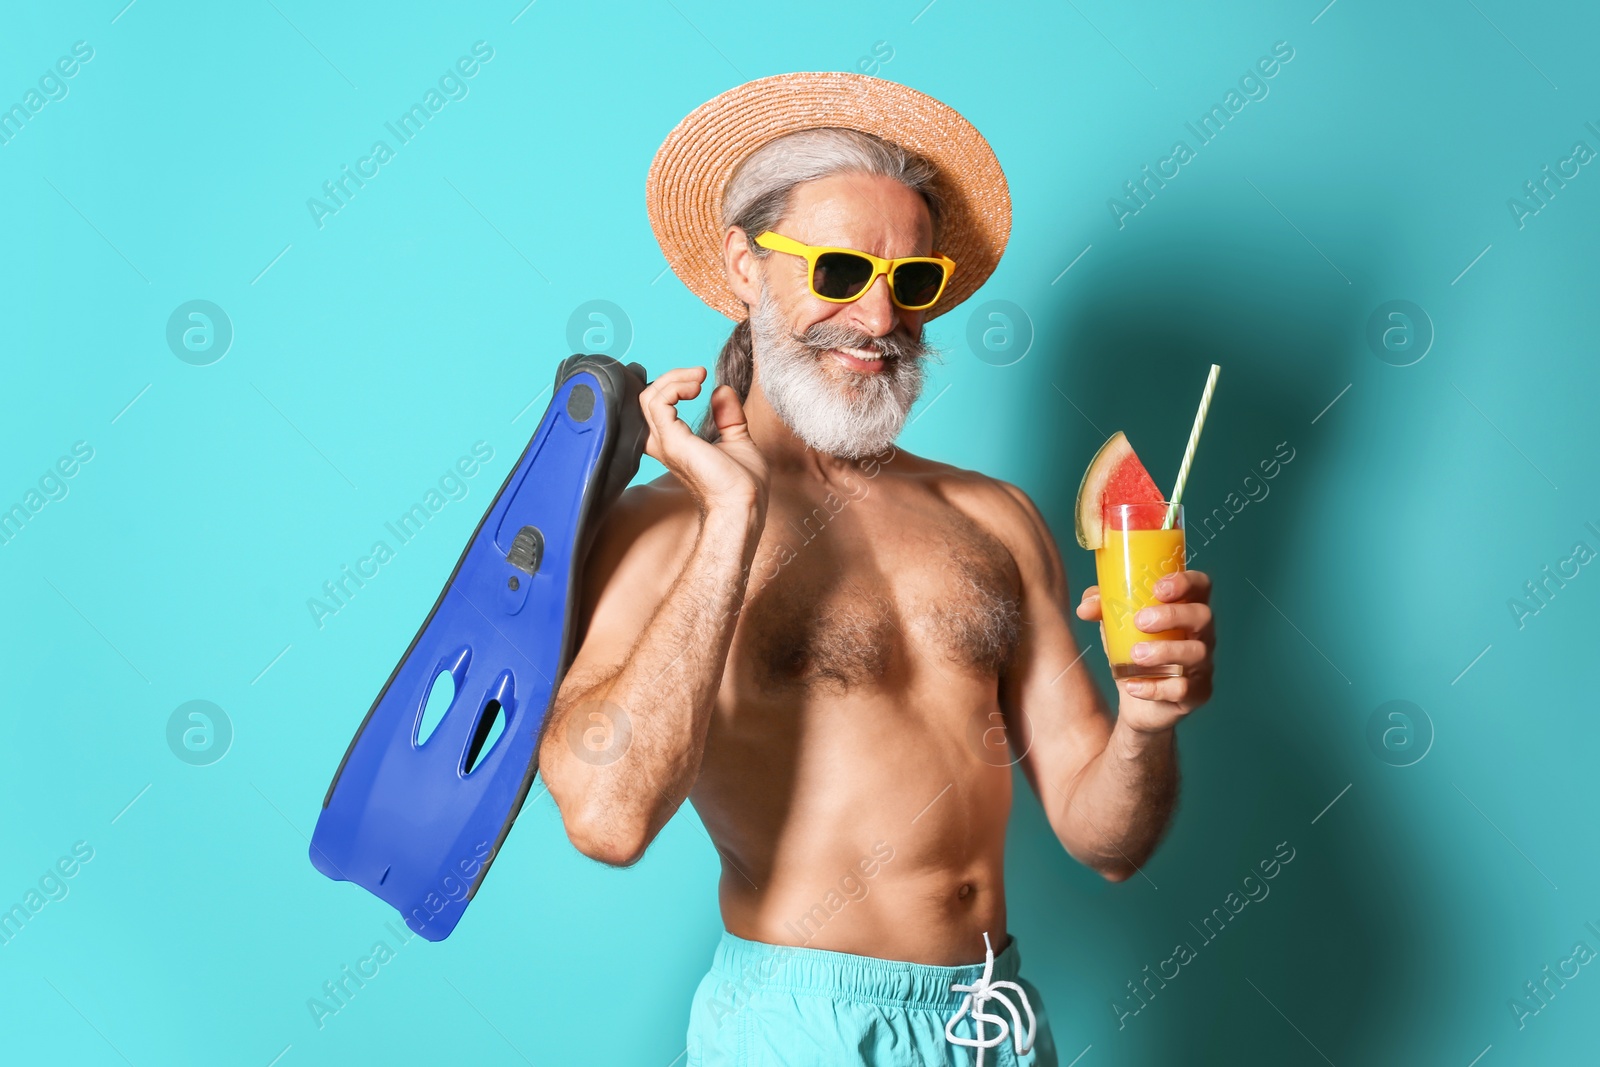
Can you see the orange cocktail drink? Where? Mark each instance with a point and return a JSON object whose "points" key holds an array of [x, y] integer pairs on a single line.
{"points": [[1134, 554]]}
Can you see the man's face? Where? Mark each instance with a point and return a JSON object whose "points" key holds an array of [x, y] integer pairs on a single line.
{"points": [[842, 376]]}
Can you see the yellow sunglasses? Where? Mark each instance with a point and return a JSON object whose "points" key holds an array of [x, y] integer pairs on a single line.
{"points": [[843, 275]]}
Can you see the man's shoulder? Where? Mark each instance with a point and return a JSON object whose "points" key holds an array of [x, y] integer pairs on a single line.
{"points": [[992, 501], [648, 526], [1002, 509], [662, 501]]}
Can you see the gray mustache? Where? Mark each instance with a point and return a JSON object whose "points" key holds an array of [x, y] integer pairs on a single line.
{"points": [[894, 346]]}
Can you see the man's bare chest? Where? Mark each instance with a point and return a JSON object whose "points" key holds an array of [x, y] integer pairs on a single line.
{"points": [[842, 599]]}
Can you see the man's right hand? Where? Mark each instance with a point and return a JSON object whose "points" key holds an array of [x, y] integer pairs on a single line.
{"points": [[729, 473]]}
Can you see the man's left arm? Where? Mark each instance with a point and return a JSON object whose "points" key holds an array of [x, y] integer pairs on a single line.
{"points": [[1108, 786]]}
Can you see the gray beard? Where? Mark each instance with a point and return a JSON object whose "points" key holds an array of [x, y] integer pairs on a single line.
{"points": [[832, 409]]}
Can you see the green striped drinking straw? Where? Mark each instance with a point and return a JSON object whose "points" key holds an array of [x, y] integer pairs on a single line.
{"points": [[1188, 451]]}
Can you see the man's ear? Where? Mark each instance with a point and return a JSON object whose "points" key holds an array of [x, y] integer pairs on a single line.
{"points": [[742, 267]]}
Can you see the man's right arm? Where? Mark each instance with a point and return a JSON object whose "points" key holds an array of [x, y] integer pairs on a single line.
{"points": [[622, 745]]}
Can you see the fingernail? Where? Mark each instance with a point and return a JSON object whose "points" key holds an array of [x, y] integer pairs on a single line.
{"points": [[1139, 689], [1144, 618], [1164, 587], [1141, 651]]}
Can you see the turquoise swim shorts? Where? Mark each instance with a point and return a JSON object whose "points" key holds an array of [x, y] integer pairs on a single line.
{"points": [[774, 1006]]}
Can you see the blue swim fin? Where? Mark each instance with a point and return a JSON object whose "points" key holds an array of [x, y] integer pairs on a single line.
{"points": [[419, 824]]}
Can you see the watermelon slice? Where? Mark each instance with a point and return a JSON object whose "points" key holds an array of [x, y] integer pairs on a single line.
{"points": [[1115, 476]]}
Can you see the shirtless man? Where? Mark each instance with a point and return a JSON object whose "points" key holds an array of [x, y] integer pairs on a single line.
{"points": [[827, 645]]}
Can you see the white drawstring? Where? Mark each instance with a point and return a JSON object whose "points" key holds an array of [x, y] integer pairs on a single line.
{"points": [[979, 993]]}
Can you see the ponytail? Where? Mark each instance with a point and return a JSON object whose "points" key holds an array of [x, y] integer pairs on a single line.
{"points": [[735, 367]]}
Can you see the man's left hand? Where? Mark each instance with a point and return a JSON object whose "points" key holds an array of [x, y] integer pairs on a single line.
{"points": [[1151, 705]]}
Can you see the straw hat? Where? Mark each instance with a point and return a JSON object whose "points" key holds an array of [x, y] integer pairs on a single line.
{"points": [[691, 169]]}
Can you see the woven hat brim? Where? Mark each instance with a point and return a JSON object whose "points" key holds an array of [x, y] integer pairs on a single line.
{"points": [[683, 192]]}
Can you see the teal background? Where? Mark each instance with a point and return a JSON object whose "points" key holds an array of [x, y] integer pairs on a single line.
{"points": [[429, 313]]}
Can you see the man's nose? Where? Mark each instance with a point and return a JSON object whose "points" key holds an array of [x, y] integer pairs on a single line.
{"points": [[875, 313]]}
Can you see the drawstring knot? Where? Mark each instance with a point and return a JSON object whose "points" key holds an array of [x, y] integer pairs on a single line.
{"points": [[980, 993]]}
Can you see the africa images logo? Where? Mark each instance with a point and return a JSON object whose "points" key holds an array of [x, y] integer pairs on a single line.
{"points": [[452, 85], [1207, 128], [454, 484]]}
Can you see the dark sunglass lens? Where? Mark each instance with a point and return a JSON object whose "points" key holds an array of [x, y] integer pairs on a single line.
{"points": [[916, 284], [840, 275]]}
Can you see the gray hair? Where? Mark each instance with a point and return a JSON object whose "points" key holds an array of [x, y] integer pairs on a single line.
{"points": [[759, 193]]}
